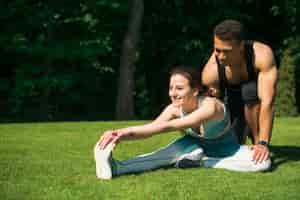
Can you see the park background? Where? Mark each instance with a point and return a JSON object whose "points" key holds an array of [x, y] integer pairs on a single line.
{"points": [[70, 60], [72, 69]]}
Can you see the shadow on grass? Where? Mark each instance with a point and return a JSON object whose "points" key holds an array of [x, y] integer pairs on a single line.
{"points": [[284, 154]]}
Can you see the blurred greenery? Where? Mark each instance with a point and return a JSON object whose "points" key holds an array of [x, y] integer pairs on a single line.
{"points": [[60, 59], [286, 101]]}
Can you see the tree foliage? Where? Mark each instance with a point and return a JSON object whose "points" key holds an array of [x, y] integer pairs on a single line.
{"points": [[60, 59]]}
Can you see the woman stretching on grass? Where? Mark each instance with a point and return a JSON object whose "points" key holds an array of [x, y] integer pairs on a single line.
{"points": [[209, 140]]}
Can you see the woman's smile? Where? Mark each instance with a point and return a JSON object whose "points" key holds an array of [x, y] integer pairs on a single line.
{"points": [[180, 91]]}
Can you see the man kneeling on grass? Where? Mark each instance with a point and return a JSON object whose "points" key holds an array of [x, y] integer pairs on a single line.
{"points": [[209, 141]]}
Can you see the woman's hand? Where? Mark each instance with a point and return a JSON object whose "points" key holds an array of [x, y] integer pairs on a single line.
{"points": [[111, 136], [114, 136]]}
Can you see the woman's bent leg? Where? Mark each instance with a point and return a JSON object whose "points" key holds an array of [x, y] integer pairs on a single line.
{"points": [[240, 161]]}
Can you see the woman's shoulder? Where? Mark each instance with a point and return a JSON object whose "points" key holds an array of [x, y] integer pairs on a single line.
{"points": [[214, 104], [209, 100]]}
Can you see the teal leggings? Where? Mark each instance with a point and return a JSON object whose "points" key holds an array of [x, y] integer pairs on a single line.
{"points": [[224, 146]]}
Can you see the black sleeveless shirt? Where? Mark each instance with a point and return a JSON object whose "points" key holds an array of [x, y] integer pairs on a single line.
{"points": [[231, 93]]}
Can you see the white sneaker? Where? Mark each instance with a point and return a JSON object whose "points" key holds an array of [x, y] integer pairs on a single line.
{"points": [[102, 158], [191, 159]]}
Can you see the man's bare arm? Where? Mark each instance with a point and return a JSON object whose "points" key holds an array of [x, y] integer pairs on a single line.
{"points": [[210, 76], [267, 80]]}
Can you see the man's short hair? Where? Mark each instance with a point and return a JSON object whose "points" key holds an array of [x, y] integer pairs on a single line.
{"points": [[230, 30]]}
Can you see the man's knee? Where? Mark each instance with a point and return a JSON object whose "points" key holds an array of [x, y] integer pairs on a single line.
{"points": [[253, 108]]}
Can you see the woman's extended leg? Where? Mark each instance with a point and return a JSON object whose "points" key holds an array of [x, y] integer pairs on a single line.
{"points": [[164, 157], [240, 161]]}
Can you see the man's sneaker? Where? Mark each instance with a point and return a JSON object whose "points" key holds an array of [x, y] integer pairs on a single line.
{"points": [[103, 161], [191, 159]]}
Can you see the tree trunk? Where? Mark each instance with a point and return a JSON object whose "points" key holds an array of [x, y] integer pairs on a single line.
{"points": [[125, 96]]}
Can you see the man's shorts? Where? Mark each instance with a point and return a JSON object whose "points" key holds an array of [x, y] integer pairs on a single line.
{"points": [[249, 93]]}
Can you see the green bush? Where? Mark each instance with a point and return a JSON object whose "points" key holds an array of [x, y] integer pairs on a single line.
{"points": [[287, 98]]}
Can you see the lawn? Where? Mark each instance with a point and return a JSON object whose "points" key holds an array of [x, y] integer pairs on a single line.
{"points": [[55, 161]]}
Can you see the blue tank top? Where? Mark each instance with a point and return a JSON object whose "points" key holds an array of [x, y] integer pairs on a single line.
{"points": [[212, 128]]}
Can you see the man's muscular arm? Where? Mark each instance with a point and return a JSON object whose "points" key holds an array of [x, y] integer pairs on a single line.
{"points": [[210, 77], [267, 79]]}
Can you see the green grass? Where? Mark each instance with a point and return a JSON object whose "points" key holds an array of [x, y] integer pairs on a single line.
{"points": [[55, 161]]}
